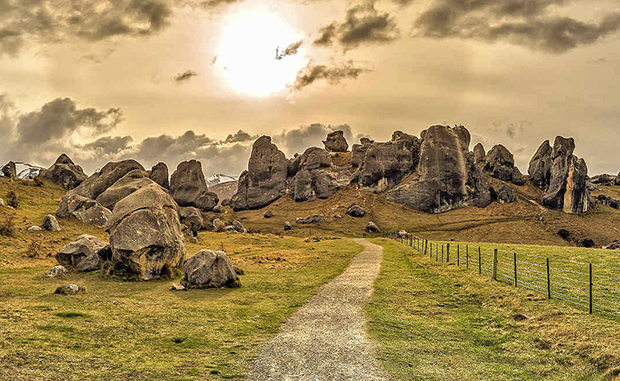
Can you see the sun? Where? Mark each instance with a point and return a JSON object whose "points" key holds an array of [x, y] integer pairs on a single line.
{"points": [[246, 55]]}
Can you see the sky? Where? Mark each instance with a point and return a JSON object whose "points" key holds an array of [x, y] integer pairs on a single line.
{"points": [[173, 80]]}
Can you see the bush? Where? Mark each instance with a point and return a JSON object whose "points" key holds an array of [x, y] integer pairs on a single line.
{"points": [[12, 199], [7, 227], [34, 248]]}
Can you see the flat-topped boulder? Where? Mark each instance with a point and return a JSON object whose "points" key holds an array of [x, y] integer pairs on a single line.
{"points": [[126, 185], [86, 253], [189, 188], [336, 142], [209, 269], [83, 209], [64, 172]]}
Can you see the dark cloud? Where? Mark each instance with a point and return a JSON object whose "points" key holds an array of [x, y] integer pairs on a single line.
{"points": [[185, 76], [97, 58], [527, 23], [61, 117], [110, 144], [238, 137], [333, 74], [92, 20], [290, 50], [363, 24], [7, 117]]}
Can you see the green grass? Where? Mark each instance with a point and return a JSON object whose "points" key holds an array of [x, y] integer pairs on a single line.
{"points": [[143, 331], [438, 322]]}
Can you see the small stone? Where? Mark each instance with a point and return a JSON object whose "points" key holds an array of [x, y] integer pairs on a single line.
{"points": [[287, 225], [193, 240], [337, 216], [238, 270], [177, 287], [35, 229], [1, 202], [371, 227], [268, 214], [56, 271], [70, 289], [51, 223], [239, 227], [355, 210]]}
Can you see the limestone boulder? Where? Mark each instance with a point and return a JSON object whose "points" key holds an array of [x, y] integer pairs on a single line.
{"points": [[50, 223], [83, 209], [218, 225], [145, 235], [189, 188], [479, 153], [86, 253], [70, 289], [500, 162], [355, 210], [238, 226], [540, 166], [159, 174], [336, 142], [64, 172], [209, 269], [9, 170], [312, 219], [505, 194], [126, 185], [57, 271], [287, 225], [265, 180], [371, 227], [191, 218], [315, 177]]}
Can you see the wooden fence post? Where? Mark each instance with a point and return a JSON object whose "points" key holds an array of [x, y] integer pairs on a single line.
{"points": [[458, 255], [494, 277], [442, 253], [448, 253], [436, 252], [467, 257], [548, 280], [515, 263], [479, 261], [591, 288]]}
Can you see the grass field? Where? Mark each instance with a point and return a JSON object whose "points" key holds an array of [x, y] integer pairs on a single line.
{"points": [[438, 322]]}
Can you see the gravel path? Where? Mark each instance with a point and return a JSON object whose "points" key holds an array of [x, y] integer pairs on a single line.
{"points": [[326, 338]]}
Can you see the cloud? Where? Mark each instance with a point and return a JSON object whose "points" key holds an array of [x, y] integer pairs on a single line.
{"points": [[109, 144], [363, 24], [333, 74], [185, 76], [239, 136], [290, 50], [526, 23], [43, 21], [97, 58]]}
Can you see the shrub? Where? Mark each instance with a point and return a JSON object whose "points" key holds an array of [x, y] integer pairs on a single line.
{"points": [[12, 199], [7, 227], [34, 248]]}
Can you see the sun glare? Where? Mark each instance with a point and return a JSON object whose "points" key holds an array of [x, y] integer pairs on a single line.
{"points": [[246, 55]]}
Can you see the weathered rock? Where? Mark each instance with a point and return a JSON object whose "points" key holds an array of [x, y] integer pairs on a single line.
{"points": [[177, 287], [446, 175], [268, 214], [336, 142], [517, 177], [70, 289], [239, 228], [337, 216], [540, 166], [50, 223], [64, 172], [615, 245], [479, 153], [567, 189], [287, 225], [218, 225], [210, 269], [500, 162], [608, 201], [386, 164], [83, 209], [371, 227], [126, 185], [1, 203], [192, 218], [230, 229], [587, 243], [617, 179], [159, 174], [86, 253], [35, 228], [505, 194], [565, 234], [315, 178], [9, 170], [312, 219], [355, 210], [145, 234], [189, 188], [56, 271]]}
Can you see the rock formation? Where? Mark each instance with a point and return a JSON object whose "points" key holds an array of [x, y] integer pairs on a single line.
{"points": [[192, 218], [355, 210], [540, 166], [86, 253], [9, 170], [209, 269], [83, 209], [314, 176], [479, 153], [336, 142], [64, 172], [265, 179], [500, 162], [371, 227], [145, 234], [126, 185], [159, 174], [312, 219], [50, 223], [189, 188]]}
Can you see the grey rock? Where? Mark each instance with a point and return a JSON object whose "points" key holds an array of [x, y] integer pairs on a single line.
{"points": [[192, 218], [35, 229], [615, 245], [355, 210], [86, 253], [479, 153], [56, 271], [500, 162], [189, 188], [64, 172], [70, 289], [287, 225], [145, 234], [177, 287], [540, 166], [265, 180], [315, 177], [505, 194], [603, 179], [268, 214], [336, 142], [159, 174], [371, 227], [312, 219], [337, 216], [83, 209], [126, 185], [218, 225], [51, 223], [239, 227], [9, 170], [210, 269]]}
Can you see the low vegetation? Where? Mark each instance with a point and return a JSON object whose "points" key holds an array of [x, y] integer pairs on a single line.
{"points": [[437, 322]]}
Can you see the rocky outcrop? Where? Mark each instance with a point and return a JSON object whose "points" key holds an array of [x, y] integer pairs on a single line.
{"points": [[315, 177], [145, 234], [218, 225], [50, 223], [189, 188], [505, 194], [371, 227], [192, 218], [501, 163], [83, 209], [126, 185], [385, 164], [336, 142], [358, 152], [64, 172], [355, 210], [265, 180], [86, 253], [159, 174], [312, 219], [603, 179], [567, 189], [479, 153], [209, 269], [9, 170], [446, 175], [540, 166]]}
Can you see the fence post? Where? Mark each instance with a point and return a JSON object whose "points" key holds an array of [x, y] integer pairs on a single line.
{"points": [[442, 253], [431, 255], [479, 261], [425, 246], [436, 252], [494, 277], [458, 255], [548, 280], [515, 262], [590, 287], [467, 257], [448, 253]]}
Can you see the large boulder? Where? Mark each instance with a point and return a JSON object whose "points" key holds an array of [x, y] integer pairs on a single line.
{"points": [[83, 209], [192, 218], [265, 180], [311, 219], [86, 253], [336, 142], [355, 210], [218, 225], [500, 162], [50, 223], [314, 177], [145, 234], [159, 174], [64, 172], [479, 153], [567, 189], [385, 164], [209, 269], [540, 166], [9, 170], [189, 188], [446, 175], [126, 185], [505, 194]]}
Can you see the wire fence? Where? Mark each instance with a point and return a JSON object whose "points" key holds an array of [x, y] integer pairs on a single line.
{"points": [[592, 287]]}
